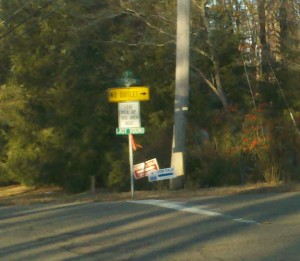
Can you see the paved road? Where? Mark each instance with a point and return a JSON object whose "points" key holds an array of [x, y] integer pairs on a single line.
{"points": [[236, 227]]}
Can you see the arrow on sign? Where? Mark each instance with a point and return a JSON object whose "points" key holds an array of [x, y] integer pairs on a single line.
{"points": [[125, 94]]}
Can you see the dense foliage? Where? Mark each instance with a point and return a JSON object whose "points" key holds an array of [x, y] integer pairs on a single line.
{"points": [[58, 58]]}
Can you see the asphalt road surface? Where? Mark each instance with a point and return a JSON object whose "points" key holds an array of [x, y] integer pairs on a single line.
{"points": [[235, 227]]}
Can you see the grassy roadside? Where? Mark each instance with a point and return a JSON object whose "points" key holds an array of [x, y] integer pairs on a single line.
{"points": [[21, 195]]}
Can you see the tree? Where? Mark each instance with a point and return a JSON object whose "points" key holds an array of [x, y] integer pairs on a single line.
{"points": [[59, 57], [58, 73]]}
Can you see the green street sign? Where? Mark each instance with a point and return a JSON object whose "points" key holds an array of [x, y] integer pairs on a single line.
{"points": [[128, 79], [127, 131]]}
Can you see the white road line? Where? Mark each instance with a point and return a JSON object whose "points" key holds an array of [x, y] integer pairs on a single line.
{"points": [[194, 210]]}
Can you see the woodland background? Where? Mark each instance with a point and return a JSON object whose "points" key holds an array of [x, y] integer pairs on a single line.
{"points": [[59, 57]]}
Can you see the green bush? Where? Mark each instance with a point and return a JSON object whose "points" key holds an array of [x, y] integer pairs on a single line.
{"points": [[208, 167]]}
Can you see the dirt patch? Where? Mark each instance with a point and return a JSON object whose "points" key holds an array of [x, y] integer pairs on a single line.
{"points": [[21, 195]]}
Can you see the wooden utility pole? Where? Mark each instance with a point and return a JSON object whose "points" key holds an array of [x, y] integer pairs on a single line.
{"points": [[181, 92]]}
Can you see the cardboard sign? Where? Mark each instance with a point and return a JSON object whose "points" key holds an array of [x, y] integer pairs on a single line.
{"points": [[142, 170]]}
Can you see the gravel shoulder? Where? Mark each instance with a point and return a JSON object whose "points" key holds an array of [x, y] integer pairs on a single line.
{"points": [[21, 195]]}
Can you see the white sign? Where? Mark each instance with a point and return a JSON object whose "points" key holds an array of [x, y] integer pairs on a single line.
{"points": [[142, 170], [129, 115], [161, 174]]}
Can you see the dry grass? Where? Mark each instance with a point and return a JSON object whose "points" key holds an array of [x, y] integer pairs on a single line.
{"points": [[21, 195], [13, 190]]}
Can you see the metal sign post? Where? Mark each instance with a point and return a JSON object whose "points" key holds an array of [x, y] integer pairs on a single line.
{"points": [[131, 164], [128, 99]]}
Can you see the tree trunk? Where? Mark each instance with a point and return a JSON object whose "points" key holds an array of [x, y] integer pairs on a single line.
{"points": [[264, 47], [219, 85]]}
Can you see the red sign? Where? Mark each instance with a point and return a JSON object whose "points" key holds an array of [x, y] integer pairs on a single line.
{"points": [[142, 170]]}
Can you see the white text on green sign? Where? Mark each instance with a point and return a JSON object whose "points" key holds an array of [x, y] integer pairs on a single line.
{"points": [[128, 94], [127, 131]]}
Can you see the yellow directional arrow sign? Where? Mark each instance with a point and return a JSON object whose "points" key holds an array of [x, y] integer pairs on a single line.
{"points": [[124, 94]]}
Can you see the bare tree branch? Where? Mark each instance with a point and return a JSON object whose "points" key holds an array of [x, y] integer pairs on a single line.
{"points": [[140, 16], [201, 52], [208, 82], [139, 44]]}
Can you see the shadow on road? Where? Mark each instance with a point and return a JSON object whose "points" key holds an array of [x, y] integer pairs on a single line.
{"points": [[125, 231]]}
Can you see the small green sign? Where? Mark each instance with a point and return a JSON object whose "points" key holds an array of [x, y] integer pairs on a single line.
{"points": [[126, 131], [128, 79]]}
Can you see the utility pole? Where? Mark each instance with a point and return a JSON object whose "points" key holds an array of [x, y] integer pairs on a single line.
{"points": [[181, 92]]}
